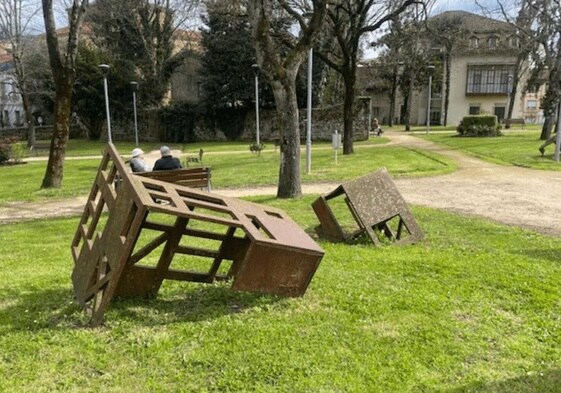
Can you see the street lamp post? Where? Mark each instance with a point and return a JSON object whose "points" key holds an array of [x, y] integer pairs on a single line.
{"points": [[105, 70], [255, 68], [431, 72], [134, 86]]}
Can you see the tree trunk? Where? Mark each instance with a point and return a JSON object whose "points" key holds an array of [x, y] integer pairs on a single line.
{"points": [[348, 116], [29, 118], [64, 72], [288, 122], [61, 130], [408, 99]]}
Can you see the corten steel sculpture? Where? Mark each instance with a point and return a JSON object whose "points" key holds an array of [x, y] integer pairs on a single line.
{"points": [[127, 239], [377, 207]]}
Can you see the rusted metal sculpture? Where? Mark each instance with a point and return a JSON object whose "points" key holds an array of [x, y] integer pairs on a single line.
{"points": [[127, 239], [377, 208]]}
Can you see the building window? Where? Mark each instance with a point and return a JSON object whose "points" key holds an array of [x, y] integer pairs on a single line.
{"points": [[532, 105], [488, 79], [474, 42], [18, 118], [493, 41], [513, 41], [500, 111], [474, 109]]}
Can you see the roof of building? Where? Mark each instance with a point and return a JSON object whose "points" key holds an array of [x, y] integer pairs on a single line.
{"points": [[475, 23]]}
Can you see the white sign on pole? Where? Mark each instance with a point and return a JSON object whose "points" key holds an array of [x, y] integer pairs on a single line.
{"points": [[336, 143]]}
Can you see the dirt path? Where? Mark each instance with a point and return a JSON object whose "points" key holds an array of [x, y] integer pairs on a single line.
{"points": [[516, 196]]}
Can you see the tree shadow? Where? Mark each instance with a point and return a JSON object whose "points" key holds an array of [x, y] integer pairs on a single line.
{"points": [[543, 382], [541, 254], [57, 309]]}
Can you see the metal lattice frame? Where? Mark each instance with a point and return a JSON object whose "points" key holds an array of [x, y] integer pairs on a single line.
{"points": [[267, 252], [375, 204]]}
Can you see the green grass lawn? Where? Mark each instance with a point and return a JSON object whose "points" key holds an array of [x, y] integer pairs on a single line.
{"points": [[473, 307], [235, 169], [84, 147], [518, 148]]}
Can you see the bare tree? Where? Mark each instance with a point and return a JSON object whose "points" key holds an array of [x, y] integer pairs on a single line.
{"points": [[539, 26], [279, 55], [63, 69], [349, 21], [16, 19]]}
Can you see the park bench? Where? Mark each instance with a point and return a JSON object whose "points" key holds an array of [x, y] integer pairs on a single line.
{"points": [[198, 159], [41, 147], [198, 177], [510, 122]]}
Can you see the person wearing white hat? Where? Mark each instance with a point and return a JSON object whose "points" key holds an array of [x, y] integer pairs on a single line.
{"points": [[167, 161], [137, 161]]}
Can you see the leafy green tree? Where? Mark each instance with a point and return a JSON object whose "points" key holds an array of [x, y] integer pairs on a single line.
{"points": [[142, 38], [229, 55]]}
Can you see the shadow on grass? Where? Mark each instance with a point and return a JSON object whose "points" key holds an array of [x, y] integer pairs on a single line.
{"points": [[205, 302], [57, 309], [546, 382], [551, 255]]}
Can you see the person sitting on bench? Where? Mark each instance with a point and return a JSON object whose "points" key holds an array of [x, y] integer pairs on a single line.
{"points": [[137, 162], [167, 162]]}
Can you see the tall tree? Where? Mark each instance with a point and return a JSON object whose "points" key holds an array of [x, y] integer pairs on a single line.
{"points": [[279, 55], [64, 73], [16, 17], [349, 21], [143, 38], [228, 56]]}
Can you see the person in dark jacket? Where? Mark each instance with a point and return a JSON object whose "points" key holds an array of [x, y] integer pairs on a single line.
{"points": [[167, 162]]}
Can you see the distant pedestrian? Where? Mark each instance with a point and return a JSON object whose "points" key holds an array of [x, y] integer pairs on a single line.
{"points": [[167, 162], [137, 162], [376, 127]]}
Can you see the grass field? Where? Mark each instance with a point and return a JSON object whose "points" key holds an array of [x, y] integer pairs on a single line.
{"points": [[472, 308], [517, 147], [235, 169]]}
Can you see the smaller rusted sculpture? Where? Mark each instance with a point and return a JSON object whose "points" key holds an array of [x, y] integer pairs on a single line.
{"points": [[377, 208]]}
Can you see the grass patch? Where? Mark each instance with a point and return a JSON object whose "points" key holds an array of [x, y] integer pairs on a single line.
{"points": [[474, 307], [514, 148], [235, 169], [84, 147]]}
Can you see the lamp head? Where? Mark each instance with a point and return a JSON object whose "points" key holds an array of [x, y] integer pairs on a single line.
{"points": [[134, 86], [104, 69], [255, 69]]}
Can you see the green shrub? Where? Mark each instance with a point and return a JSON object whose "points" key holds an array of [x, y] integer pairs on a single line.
{"points": [[479, 125], [18, 151], [11, 149]]}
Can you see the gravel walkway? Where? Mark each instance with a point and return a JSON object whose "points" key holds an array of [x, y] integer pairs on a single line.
{"points": [[516, 196]]}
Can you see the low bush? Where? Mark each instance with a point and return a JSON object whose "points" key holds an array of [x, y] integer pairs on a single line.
{"points": [[479, 125], [11, 148]]}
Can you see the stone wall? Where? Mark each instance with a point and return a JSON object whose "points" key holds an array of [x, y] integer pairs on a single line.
{"points": [[324, 123]]}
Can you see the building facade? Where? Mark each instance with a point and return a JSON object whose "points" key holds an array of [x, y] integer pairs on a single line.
{"points": [[483, 69]]}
